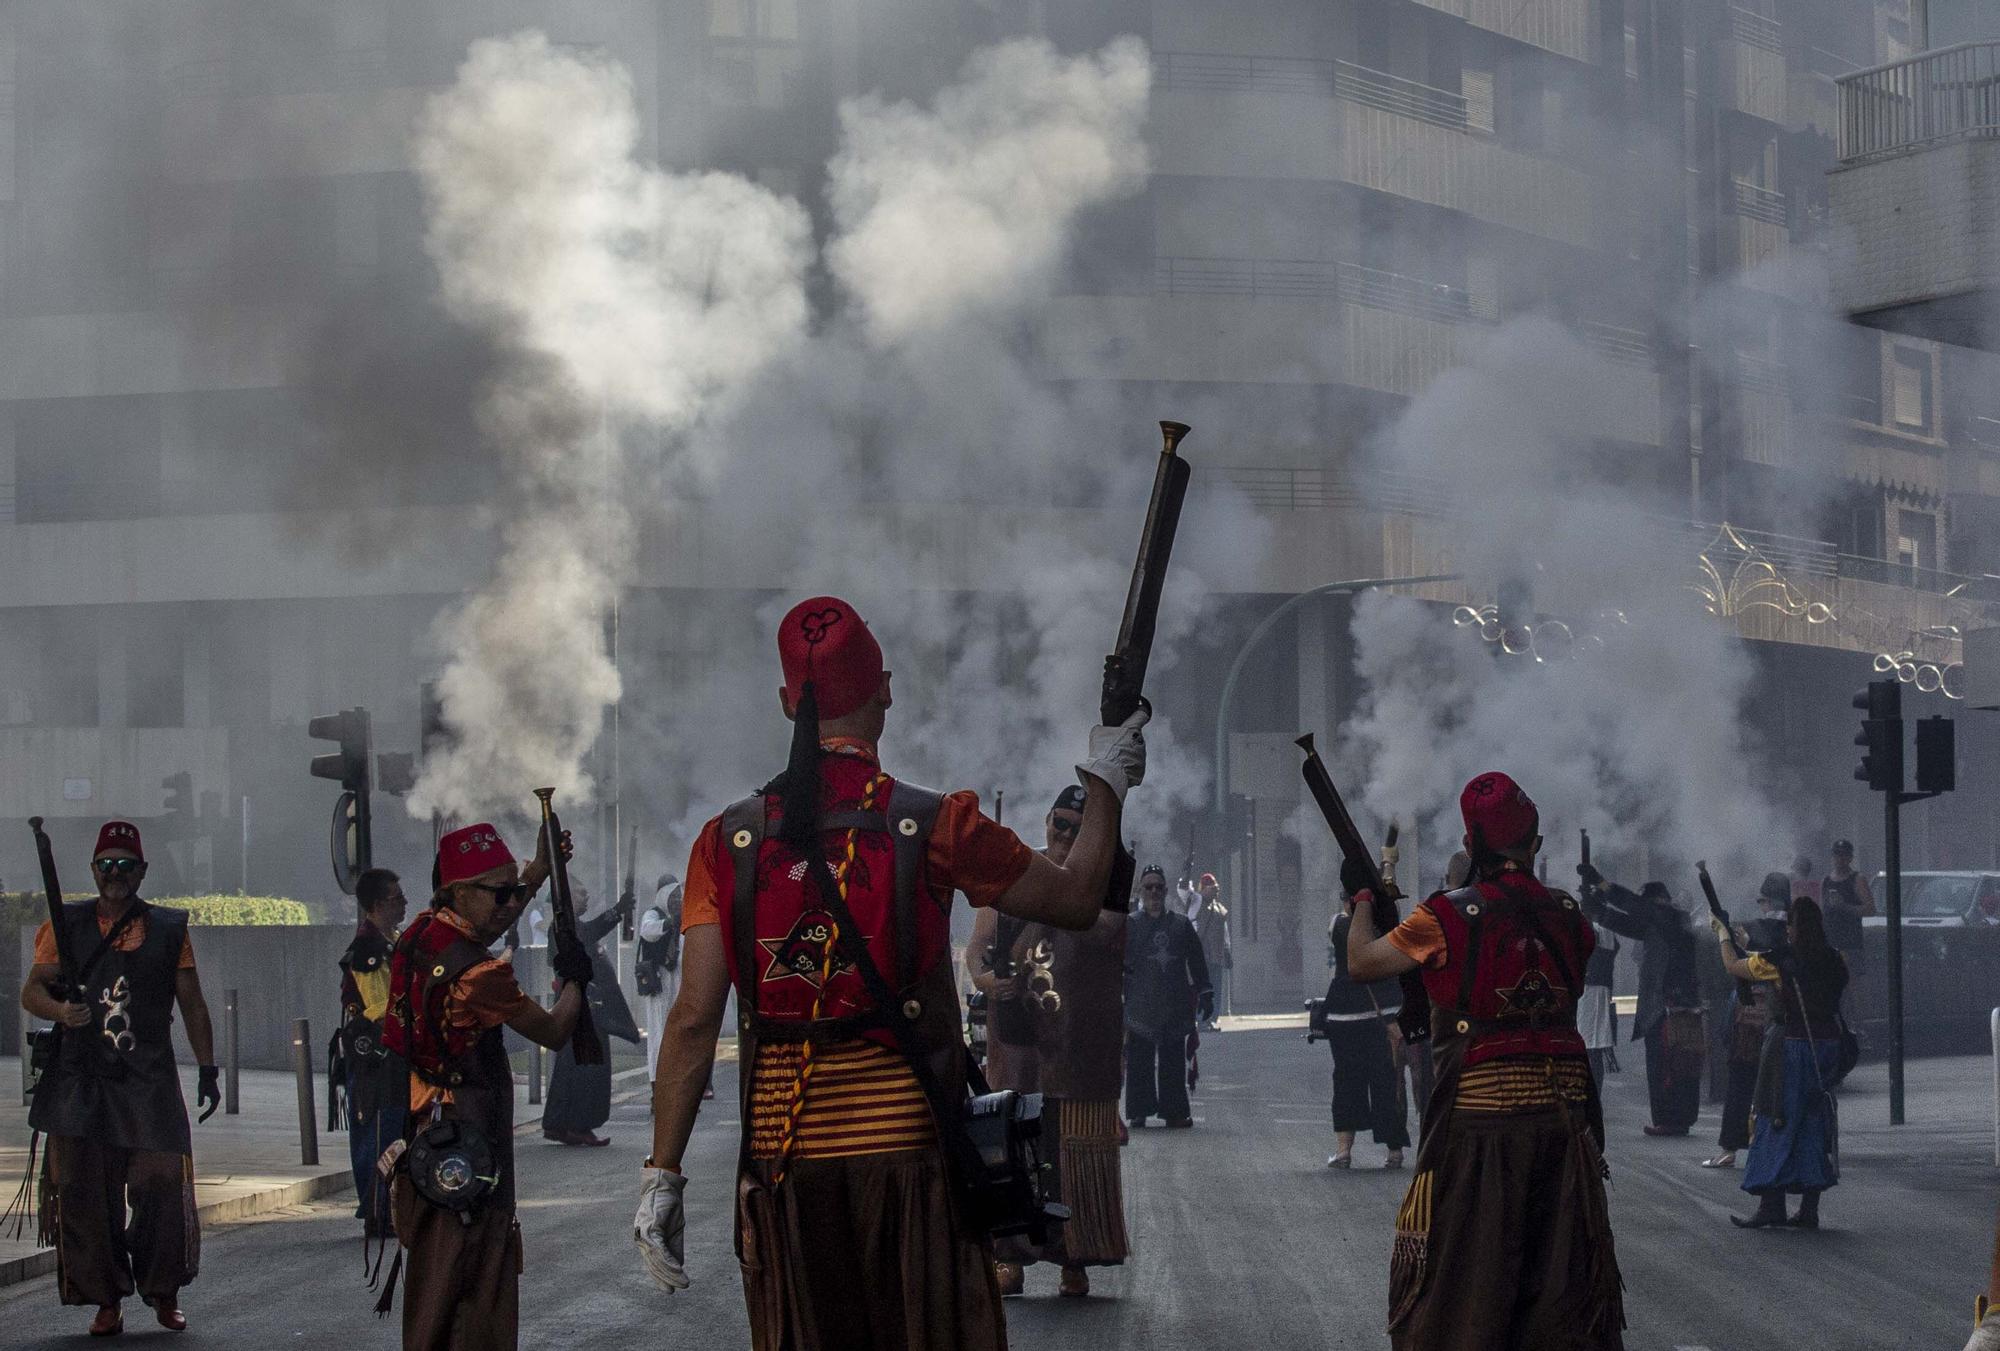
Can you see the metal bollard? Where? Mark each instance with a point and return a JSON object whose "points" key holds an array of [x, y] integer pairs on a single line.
{"points": [[1993, 1030], [302, 1070], [232, 1077]]}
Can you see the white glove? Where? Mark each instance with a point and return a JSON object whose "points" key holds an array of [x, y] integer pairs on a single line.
{"points": [[1118, 754], [660, 1228], [1986, 1336]]}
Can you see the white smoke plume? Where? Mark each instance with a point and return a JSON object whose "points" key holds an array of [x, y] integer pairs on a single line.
{"points": [[661, 326], [953, 209], [627, 297], [1630, 722]]}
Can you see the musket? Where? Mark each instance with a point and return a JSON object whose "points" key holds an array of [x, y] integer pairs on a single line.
{"points": [[1715, 909], [52, 888], [1391, 854], [1415, 1018], [1583, 848], [628, 899], [1125, 668], [583, 1042]]}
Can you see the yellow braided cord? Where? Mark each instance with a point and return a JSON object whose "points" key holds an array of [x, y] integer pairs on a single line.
{"points": [[826, 959]]}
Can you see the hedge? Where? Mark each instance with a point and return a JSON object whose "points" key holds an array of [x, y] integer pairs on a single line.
{"points": [[18, 908]]}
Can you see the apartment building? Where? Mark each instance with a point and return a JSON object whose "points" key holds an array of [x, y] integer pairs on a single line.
{"points": [[206, 213]]}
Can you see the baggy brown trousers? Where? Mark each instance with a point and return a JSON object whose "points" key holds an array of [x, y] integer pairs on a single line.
{"points": [[102, 1255], [462, 1282]]}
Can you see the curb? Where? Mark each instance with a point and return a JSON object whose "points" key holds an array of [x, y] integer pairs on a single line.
{"points": [[17, 1269]]}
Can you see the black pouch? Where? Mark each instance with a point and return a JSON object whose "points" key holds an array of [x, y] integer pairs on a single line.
{"points": [[452, 1166], [1004, 1182], [42, 1045]]}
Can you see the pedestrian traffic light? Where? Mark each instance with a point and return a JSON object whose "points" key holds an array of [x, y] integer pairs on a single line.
{"points": [[1881, 736], [1937, 755], [349, 765]]}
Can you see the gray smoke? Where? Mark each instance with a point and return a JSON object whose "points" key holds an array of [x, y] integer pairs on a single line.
{"points": [[660, 334], [628, 298], [1619, 707]]}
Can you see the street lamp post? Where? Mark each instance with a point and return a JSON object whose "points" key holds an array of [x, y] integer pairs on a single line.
{"points": [[1258, 634]]}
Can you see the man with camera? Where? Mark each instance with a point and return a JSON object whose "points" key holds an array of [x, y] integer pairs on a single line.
{"points": [[449, 996], [111, 1102], [824, 900]]}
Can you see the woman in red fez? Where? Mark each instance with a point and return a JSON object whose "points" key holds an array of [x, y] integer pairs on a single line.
{"points": [[1504, 1238]]}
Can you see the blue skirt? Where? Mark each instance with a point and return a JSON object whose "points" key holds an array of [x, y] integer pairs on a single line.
{"points": [[1795, 1151]]}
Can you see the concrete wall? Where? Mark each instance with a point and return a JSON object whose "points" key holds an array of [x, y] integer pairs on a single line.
{"points": [[280, 972], [1916, 227]]}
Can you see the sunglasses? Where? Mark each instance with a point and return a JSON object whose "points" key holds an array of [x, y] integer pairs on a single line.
{"points": [[504, 895], [1058, 826], [111, 867], [1159, 887]]}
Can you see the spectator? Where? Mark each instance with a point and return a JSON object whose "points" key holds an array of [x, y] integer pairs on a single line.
{"points": [[1845, 899]]}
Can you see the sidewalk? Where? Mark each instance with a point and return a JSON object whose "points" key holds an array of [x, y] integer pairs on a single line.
{"points": [[244, 1165]]}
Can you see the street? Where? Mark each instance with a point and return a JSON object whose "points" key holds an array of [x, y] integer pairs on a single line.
{"points": [[1243, 1237]]}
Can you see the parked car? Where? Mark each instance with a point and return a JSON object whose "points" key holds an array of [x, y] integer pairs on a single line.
{"points": [[1951, 963]]}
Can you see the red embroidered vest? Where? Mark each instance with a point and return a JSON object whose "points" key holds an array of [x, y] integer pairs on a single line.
{"points": [[778, 966], [429, 956], [1515, 959]]}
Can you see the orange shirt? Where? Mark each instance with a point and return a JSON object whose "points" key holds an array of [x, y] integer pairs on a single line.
{"points": [[128, 941], [1420, 938], [484, 997], [969, 852]]}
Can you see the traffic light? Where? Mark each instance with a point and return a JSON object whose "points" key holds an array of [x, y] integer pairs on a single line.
{"points": [[396, 772], [349, 765], [1937, 755], [352, 848], [179, 795], [1881, 736]]}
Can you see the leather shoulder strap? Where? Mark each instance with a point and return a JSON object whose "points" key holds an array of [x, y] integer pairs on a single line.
{"points": [[743, 826], [912, 813]]}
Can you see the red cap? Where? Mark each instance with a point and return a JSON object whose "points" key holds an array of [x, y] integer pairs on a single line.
{"points": [[1498, 815], [469, 852], [823, 640], [1208, 880], [119, 835]]}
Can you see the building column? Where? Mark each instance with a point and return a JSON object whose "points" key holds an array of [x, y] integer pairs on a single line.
{"points": [[114, 702], [197, 672]]}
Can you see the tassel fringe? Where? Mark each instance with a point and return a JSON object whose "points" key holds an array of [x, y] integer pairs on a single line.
{"points": [[1092, 1186]]}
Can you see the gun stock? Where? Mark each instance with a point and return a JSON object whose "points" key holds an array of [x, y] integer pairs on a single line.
{"points": [[583, 1042]]}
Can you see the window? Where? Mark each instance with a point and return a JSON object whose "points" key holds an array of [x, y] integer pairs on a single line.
{"points": [[1910, 390], [1916, 539], [770, 20], [1949, 22]]}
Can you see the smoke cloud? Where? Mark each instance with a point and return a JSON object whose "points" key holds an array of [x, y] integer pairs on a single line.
{"points": [[658, 333], [624, 298], [1603, 683]]}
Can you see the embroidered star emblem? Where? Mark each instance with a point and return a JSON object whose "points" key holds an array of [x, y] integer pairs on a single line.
{"points": [[1532, 993], [800, 953]]}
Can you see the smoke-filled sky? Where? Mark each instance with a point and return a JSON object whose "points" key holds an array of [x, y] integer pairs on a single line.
{"points": [[656, 331]]}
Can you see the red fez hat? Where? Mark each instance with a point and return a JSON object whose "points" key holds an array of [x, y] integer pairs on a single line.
{"points": [[469, 852], [1498, 815], [1208, 880], [823, 640], [119, 835]]}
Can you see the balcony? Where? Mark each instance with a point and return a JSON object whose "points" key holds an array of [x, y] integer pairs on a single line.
{"points": [[1297, 118], [1917, 192], [1753, 66], [1565, 27]]}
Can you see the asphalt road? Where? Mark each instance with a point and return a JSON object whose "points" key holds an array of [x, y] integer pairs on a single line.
{"points": [[1243, 1238]]}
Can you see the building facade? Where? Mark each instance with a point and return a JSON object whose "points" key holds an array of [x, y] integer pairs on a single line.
{"points": [[211, 238]]}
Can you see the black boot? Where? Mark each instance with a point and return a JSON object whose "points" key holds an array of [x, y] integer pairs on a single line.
{"points": [[1770, 1211], [1808, 1216]]}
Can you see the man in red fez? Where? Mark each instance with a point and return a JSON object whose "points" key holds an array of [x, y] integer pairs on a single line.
{"points": [[1503, 1239], [111, 1103], [825, 901], [449, 996]]}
